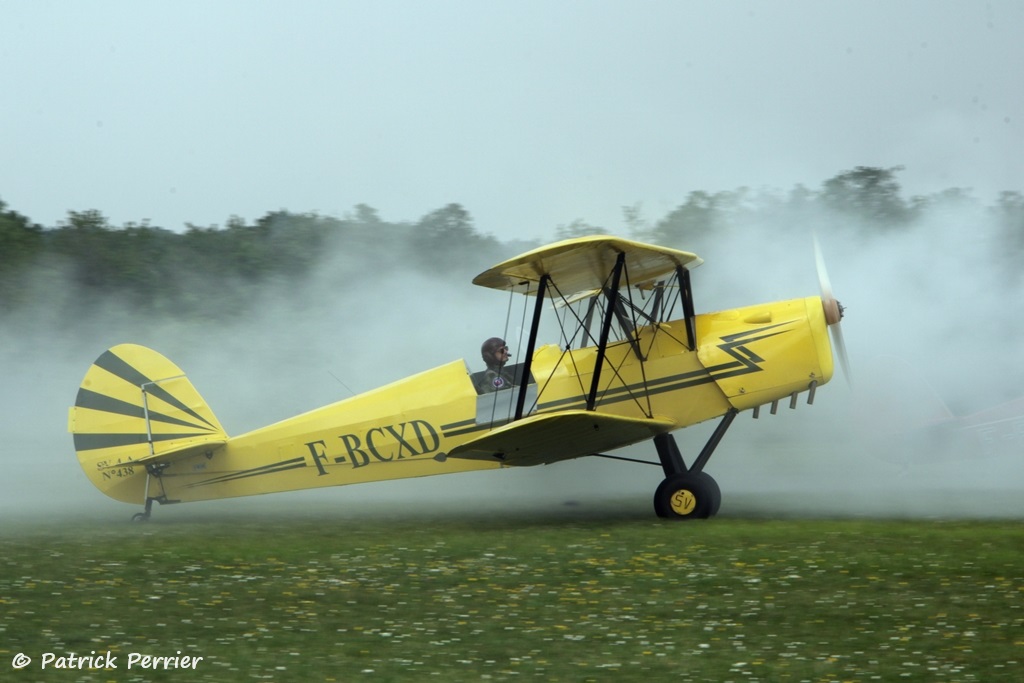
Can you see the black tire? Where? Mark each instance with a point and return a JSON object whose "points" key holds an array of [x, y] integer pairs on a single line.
{"points": [[684, 496], [713, 491]]}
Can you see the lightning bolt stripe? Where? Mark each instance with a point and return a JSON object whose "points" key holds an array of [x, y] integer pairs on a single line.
{"points": [[746, 360]]}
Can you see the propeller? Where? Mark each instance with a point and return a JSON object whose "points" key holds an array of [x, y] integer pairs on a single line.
{"points": [[833, 312]]}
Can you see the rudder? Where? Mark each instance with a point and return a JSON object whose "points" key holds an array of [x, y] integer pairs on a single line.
{"points": [[133, 406]]}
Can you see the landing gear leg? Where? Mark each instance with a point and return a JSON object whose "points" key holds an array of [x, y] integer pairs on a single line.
{"points": [[688, 493], [144, 516], [153, 471]]}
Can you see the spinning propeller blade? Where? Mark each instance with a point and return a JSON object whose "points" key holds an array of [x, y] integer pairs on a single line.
{"points": [[833, 312]]}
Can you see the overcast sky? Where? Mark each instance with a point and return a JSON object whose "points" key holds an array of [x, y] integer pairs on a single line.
{"points": [[530, 114]]}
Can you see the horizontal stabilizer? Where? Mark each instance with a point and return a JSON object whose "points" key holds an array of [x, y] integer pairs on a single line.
{"points": [[203, 445], [552, 437]]}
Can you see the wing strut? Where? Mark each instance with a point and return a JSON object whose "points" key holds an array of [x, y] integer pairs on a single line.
{"points": [[686, 292], [628, 328], [531, 344], [602, 344]]}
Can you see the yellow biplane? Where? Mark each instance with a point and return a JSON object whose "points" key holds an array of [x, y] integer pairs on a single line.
{"points": [[633, 362]]}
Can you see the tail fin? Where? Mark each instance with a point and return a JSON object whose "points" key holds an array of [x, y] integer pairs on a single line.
{"points": [[136, 408]]}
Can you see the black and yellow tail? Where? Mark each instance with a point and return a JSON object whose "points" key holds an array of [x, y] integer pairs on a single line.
{"points": [[135, 411]]}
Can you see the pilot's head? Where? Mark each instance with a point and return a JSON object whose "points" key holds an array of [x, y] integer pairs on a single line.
{"points": [[494, 352]]}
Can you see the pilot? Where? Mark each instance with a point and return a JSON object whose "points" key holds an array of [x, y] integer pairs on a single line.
{"points": [[494, 351]]}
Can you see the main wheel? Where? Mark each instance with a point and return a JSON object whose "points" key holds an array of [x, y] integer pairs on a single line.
{"points": [[714, 491], [687, 496]]}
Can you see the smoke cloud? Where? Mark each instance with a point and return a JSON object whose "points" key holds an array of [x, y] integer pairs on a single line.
{"points": [[933, 325]]}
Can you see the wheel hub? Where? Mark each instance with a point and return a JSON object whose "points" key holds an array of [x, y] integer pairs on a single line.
{"points": [[683, 502]]}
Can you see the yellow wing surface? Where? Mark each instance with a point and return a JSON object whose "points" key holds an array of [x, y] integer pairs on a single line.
{"points": [[584, 263], [553, 437]]}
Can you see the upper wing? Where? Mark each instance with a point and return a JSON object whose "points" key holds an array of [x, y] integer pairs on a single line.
{"points": [[584, 264], [551, 437]]}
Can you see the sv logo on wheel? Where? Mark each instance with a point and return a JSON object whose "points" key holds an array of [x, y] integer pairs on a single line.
{"points": [[683, 502]]}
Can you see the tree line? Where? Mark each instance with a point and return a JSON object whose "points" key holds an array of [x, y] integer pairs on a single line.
{"points": [[215, 270]]}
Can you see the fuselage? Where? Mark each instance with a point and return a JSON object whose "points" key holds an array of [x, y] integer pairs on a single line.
{"points": [[742, 358]]}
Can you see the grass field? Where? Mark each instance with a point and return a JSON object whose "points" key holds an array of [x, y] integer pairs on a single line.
{"points": [[554, 597]]}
